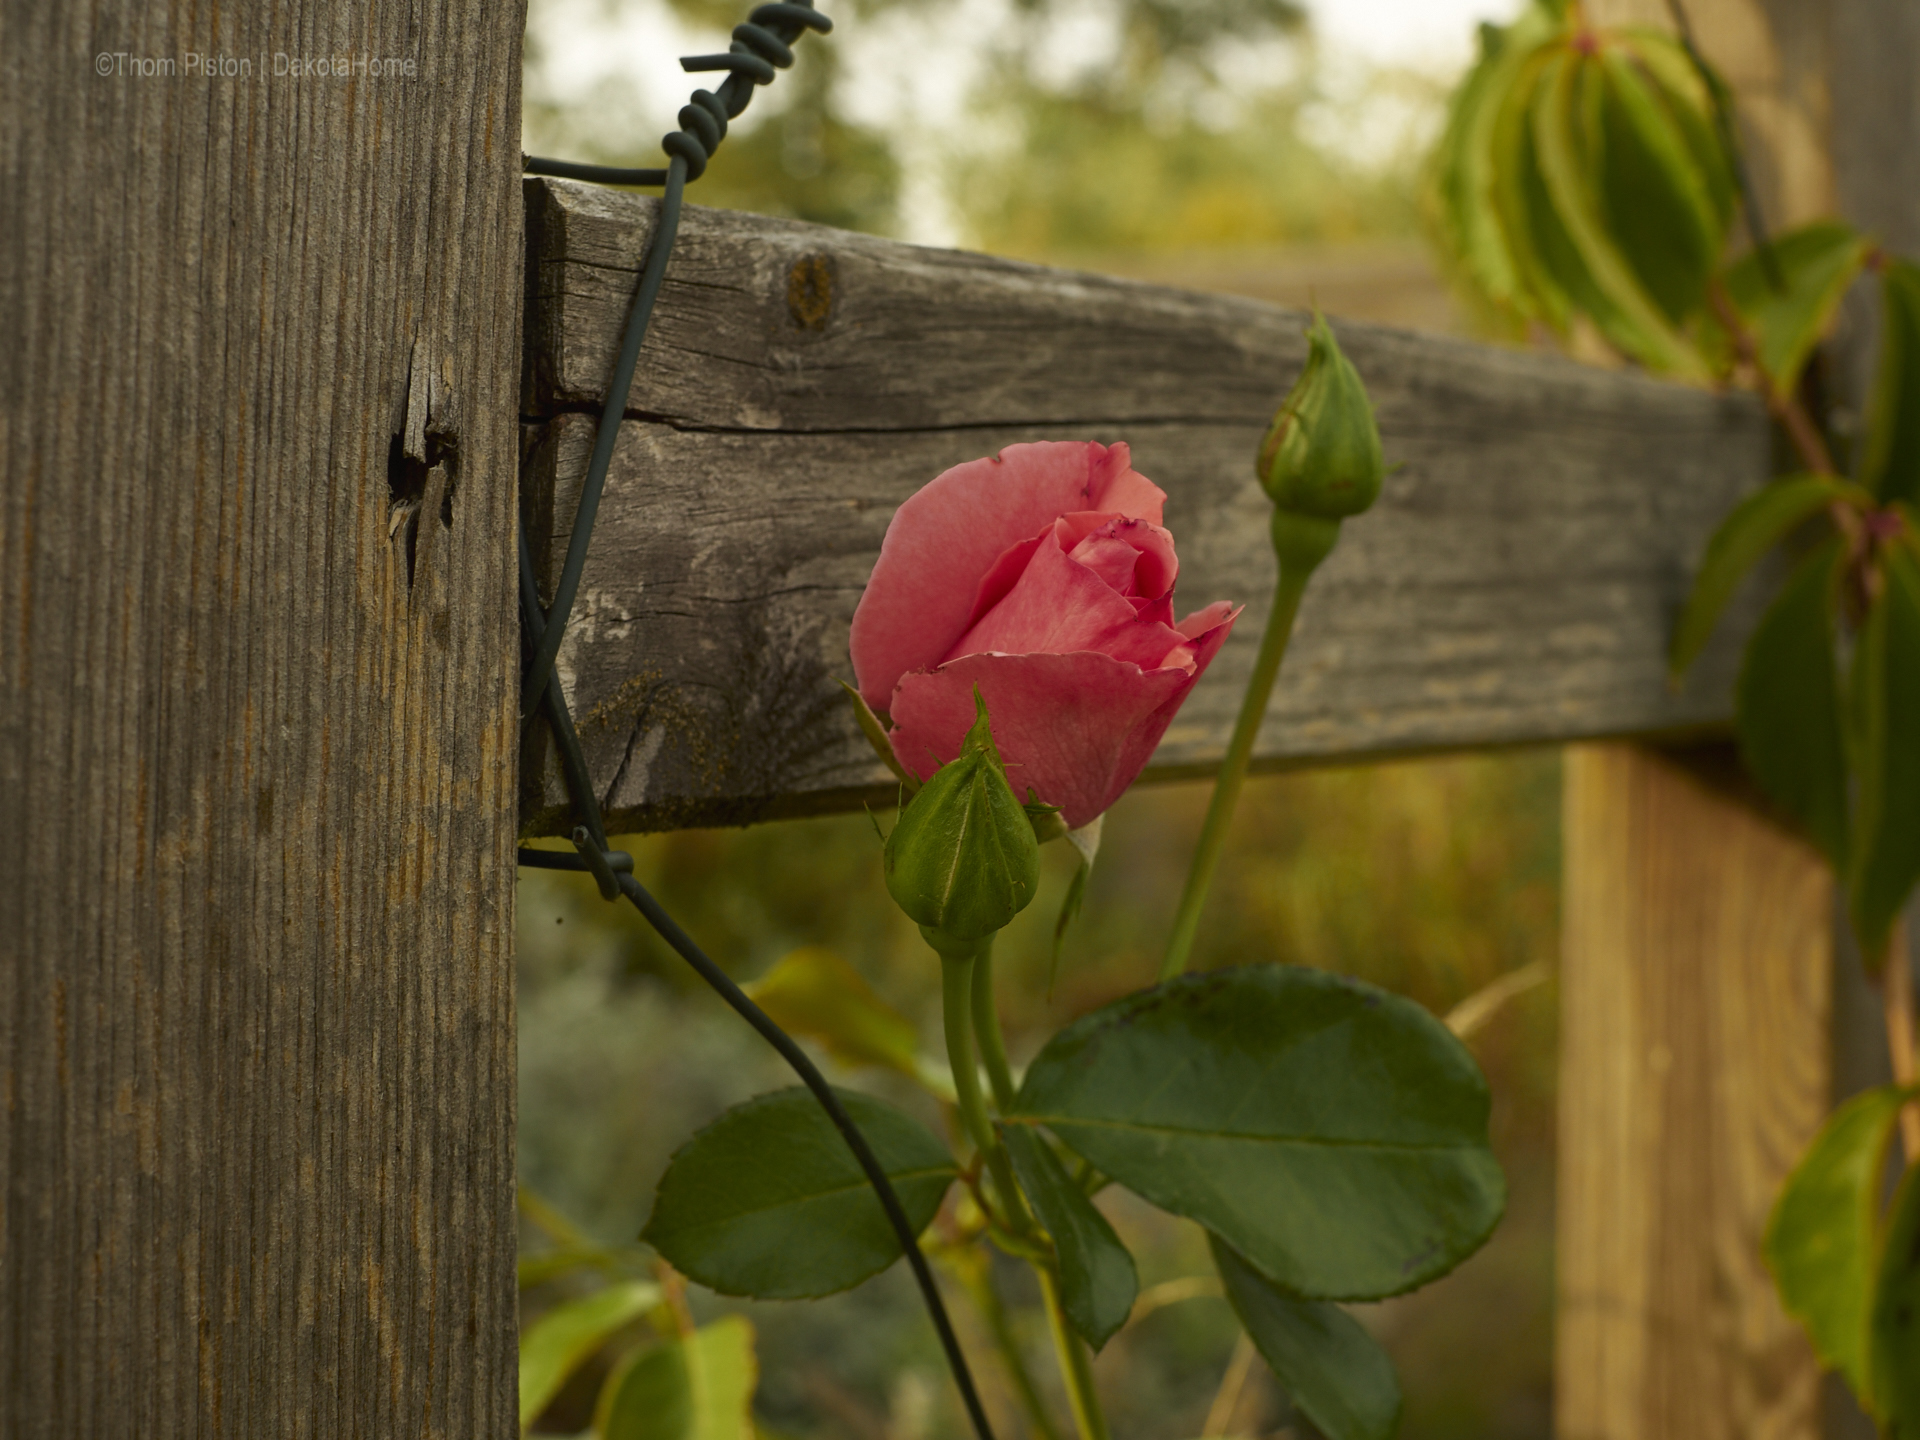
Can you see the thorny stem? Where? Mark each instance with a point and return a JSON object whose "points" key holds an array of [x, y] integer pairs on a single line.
{"points": [[1291, 585], [1075, 1367]]}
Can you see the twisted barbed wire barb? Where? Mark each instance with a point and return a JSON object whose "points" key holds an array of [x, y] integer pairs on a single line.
{"points": [[761, 46]]}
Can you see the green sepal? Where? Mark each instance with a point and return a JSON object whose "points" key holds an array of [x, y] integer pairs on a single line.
{"points": [[694, 1387], [1321, 457], [1754, 527], [1816, 264], [963, 859], [876, 736], [1331, 1132], [1332, 1370], [1886, 694], [570, 1334], [1787, 704], [769, 1202], [1891, 460], [1098, 1282]]}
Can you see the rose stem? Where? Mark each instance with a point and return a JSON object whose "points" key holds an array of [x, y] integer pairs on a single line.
{"points": [[1287, 591], [962, 997], [986, 1031], [956, 978]]}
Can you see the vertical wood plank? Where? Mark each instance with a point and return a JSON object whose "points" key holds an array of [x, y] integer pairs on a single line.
{"points": [[256, 737], [1828, 121], [1694, 1070]]}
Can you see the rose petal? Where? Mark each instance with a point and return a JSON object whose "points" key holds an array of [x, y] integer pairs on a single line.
{"points": [[1076, 729], [1058, 605], [1134, 556], [1208, 617], [946, 538], [1002, 576]]}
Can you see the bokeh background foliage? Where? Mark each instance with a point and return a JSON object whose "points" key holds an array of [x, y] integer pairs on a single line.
{"points": [[1220, 144]]}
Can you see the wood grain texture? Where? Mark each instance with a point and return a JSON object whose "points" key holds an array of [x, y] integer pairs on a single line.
{"points": [[256, 744], [1516, 582], [1694, 1072]]}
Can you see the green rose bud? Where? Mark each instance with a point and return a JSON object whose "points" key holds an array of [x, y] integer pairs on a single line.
{"points": [[1321, 457], [963, 860]]}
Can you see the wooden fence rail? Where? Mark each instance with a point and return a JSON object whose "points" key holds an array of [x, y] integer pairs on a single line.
{"points": [[1515, 584]]}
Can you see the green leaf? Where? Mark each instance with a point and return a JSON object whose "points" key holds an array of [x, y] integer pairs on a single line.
{"points": [[1820, 1241], [1098, 1283], [813, 992], [1894, 1344], [1816, 263], [1332, 1133], [1755, 526], [1610, 293], [1892, 459], [768, 1201], [1473, 230], [1788, 704], [1323, 1358], [1540, 247], [1689, 98], [567, 1336], [1886, 666], [1659, 206], [699, 1387]]}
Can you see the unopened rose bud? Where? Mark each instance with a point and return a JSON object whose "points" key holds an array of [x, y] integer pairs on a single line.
{"points": [[1321, 457], [963, 860]]}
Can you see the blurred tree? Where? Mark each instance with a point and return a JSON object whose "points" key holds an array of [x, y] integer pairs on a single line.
{"points": [[1134, 112], [1093, 170]]}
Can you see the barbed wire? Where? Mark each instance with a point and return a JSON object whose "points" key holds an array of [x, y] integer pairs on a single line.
{"points": [[760, 47]]}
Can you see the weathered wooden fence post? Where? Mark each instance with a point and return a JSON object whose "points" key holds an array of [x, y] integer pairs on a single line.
{"points": [[1699, 972], [261, 299]]}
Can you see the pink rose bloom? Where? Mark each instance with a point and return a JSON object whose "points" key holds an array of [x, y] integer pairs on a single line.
{"points": [[1043, 577]]}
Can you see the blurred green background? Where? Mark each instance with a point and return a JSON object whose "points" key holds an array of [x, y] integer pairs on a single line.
{"points": [[1223, 144]]}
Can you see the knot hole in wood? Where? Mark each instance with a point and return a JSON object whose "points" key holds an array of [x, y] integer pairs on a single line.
{"points": [[810, 291], [422, 458]]}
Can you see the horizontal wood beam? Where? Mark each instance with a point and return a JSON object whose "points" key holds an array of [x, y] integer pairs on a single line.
{"points": [[1514, 585]]}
